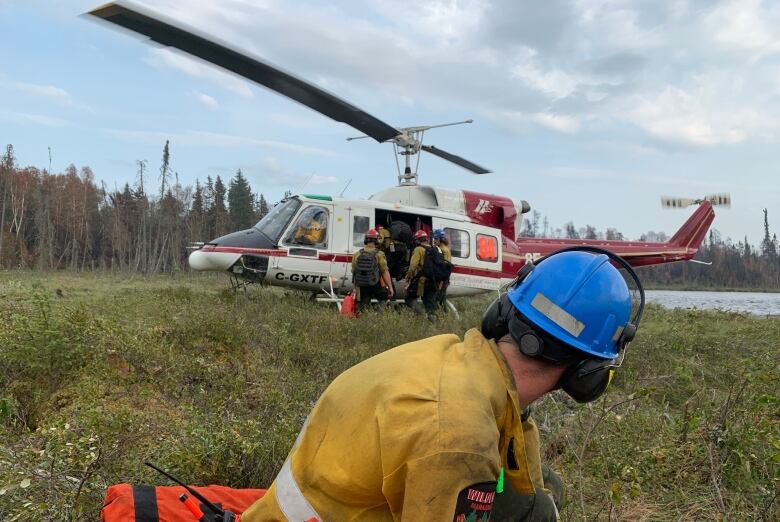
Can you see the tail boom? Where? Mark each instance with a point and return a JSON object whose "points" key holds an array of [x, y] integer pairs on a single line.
{"points": [[682, 246]]}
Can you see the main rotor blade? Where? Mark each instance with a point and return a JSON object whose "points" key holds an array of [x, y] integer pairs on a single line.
{"points": [[466, 164], [178, 36]]}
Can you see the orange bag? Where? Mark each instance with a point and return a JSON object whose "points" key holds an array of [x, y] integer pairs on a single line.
{"points": [[128, 503], [348, 306]]}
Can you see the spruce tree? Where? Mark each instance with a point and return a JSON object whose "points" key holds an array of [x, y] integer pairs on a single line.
{"points": [[218, 204], [262, 208], [218, 215], [197, 199], [240, 202], [165, 170], [571, 232], [768, 247]]}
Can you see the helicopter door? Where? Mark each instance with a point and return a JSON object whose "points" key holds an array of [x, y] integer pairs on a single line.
{"points": [[357, 220], [476, 255], [349, 223], [306, 265], [359, 223]]}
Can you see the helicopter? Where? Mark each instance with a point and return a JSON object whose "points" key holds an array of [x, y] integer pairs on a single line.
{"points": [[306, 241]]}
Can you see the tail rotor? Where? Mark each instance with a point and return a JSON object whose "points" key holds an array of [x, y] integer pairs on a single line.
{"points": [[722, 199]]}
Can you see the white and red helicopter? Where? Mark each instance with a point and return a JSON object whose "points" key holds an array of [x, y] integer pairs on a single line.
{"points": [[482, 228]]}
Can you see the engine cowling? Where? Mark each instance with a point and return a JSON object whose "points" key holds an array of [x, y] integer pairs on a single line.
{"points": [[486, 209], [496, 211]]}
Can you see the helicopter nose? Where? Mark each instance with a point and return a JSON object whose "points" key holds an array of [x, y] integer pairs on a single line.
{"points": [[207, 259], [224, 252]]}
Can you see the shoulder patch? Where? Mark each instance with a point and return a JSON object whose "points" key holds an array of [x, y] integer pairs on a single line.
{"points": [[475, 503]]}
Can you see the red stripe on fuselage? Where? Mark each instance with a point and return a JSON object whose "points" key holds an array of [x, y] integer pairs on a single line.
{"points": [[347, 258]]}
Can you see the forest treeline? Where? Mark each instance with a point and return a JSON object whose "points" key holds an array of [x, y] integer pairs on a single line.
{"points": [[69, 220], [734, 265]]}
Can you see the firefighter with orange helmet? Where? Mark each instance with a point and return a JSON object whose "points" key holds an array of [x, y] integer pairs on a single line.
{"points": [[369, 272], [417, 284]]}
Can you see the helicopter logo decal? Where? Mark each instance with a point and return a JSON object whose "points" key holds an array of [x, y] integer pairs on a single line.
{"points": [[483, 207]]}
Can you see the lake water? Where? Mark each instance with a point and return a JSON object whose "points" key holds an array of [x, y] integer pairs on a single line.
{"points": [[752, 302]]}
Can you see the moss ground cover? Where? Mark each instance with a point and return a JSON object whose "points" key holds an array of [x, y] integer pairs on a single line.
{"points": [[99, 373]]}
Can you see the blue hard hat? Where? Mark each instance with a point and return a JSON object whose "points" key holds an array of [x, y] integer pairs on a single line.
{"points": [[438, 233], [578, 298]]}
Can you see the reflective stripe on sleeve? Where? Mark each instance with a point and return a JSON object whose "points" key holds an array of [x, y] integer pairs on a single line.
{"points": [[290, 498]]}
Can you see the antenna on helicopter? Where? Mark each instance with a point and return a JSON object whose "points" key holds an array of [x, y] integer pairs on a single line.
{"points": [[305, 182], [345, 188], [174, 34]]}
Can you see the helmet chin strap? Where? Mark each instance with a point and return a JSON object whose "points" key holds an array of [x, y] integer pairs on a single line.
{"points": [[621, 356]]}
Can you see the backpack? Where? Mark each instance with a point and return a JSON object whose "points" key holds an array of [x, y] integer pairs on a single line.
{"points": [[401, 231], [367, 270], [397, 259], [435, 267]]}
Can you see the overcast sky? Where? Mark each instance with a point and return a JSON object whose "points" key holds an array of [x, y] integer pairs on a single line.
{"points": [[589, 109]]}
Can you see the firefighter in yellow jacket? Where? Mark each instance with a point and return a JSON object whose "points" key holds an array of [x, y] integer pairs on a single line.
{"points": [[417, 285], [442, 243], [369, 272], [433, 430]]}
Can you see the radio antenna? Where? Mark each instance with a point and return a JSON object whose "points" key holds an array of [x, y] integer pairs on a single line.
{"points": [[345, 188], [216, 510], [305, 182]]}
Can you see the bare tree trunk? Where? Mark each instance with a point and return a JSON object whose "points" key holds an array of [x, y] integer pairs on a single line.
{"points": [[2, 214], [160, 258]]}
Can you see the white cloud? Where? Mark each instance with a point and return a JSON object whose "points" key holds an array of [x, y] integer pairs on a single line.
{"points": [[518, 121], [54, 94], [554, 82], [617, 24], [30, 118], [590, 174], [745, 25], [682, 73], [699, 116], [206, 100], [437, 19], [271, 172], [556, 122], [316, 179], [271, 164], [162, 58], [579, 173], [193, 138]]}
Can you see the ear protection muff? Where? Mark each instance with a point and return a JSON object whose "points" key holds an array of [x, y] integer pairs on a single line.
{"points": [[501, 318], [587, 378]]}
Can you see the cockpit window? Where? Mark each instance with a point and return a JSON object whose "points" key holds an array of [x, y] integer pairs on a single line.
{"points": [[310, 229], [273, 223]]}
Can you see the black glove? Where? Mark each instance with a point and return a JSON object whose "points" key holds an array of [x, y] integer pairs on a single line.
{"points": [[553, 482], [511, 506]]}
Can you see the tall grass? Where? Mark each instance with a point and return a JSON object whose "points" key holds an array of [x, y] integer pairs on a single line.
{"points": [[108, 372]]}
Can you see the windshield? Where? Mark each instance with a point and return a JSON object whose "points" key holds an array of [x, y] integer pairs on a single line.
{"points": [[273, 223]]}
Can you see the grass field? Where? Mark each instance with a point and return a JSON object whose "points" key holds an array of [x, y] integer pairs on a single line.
{"points": [[99, 373]]}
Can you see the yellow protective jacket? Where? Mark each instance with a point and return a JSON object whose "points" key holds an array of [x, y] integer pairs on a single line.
{"points": [[380, 258], [416, 262], [446, 253], [401, 435]]}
